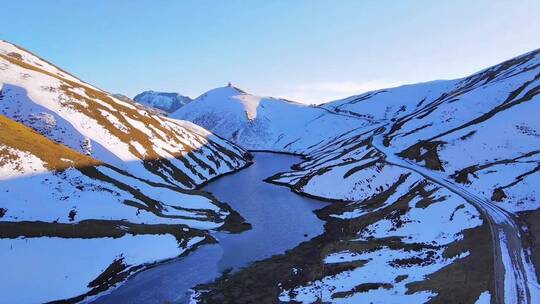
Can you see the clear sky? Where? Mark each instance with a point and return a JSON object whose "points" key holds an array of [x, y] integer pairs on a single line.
{"points": [[311, 51]]}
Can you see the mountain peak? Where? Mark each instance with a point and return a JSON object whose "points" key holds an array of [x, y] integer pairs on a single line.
{"points": [[223, 92]]}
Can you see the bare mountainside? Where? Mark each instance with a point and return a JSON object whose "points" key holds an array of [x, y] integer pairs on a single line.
{"points": [[438, 184]]}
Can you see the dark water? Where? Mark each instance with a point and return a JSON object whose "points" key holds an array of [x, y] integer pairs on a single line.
{"points": [[280, 220]]}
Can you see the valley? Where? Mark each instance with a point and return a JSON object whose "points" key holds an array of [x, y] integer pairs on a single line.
{"points": [[280, 220], [423, 193]]}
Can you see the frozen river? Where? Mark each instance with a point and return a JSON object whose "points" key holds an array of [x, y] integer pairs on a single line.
{"points": [[280, 219]]}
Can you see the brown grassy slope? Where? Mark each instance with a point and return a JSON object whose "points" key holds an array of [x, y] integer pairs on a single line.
{"points": [[59, 157], [54, 155]]}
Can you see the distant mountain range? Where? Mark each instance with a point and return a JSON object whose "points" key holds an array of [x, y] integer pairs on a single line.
{"points": [[168, 102]]}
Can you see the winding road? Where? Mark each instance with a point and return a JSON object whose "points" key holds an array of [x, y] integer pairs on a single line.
{"points": [[515, 276]]}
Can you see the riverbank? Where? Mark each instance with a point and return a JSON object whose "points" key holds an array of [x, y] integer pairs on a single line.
{"points": [[280, 221], [412, 241], [269, 280]]}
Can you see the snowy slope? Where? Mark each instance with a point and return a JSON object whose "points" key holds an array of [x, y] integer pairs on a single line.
{"points": [[482, 132], [391, 103], [93, 122], [397, 238], [409, 237], [107, 222], [78, 187], [168, 102], [261, 123]]}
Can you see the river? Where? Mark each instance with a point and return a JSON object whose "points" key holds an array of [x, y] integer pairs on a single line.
{"points": [[280, 219]]}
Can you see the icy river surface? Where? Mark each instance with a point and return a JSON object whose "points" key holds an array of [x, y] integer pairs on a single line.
{"points": [[280, 218]]}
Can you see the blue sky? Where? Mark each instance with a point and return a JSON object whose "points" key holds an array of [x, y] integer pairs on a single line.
{"points": [[310, 51]]}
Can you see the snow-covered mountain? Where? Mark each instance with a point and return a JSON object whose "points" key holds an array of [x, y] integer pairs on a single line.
{"points": [[439, 183], [168, 102], [463, 127], [478, 130], [92, 188], [436, 183], [263, 123], [390, 103], [103, 219], [95, 123]]}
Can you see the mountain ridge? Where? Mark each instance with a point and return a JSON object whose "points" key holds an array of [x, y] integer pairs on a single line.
{"points": [[86, 118]]}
